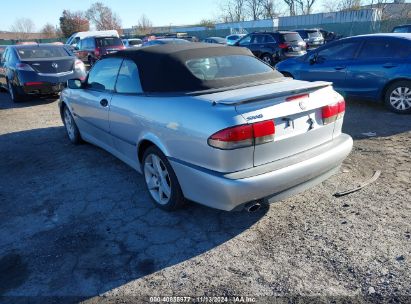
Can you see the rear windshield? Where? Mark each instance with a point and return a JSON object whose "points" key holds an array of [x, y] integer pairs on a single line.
{"points": [[135, 42], [37, 52], [291, 37], [213, 68], [109, 41], [403, 29], [314, 34]]}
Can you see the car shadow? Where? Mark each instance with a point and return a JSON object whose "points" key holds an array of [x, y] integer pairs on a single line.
{"points": [[33, 101], [365, 119], [77, 222]]}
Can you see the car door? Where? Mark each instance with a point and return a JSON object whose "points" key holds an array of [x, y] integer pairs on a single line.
{"points": [[3, 69], [379, 60], [126, 112], [330, 63], [257, 44], [91, 104]]}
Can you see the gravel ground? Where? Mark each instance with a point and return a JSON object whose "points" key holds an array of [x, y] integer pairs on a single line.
{"points": [[77, 223]]}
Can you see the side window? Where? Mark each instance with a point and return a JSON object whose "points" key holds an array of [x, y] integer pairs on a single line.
{"points": [[128, 80], [257, 39], [245, 41], [269, 39], [75, 40], [4, 57], [340, 51], [102, 76], [383, 49]]}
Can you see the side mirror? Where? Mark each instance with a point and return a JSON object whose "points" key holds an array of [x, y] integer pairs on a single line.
{"points": [[74, 84], [312, 58]]}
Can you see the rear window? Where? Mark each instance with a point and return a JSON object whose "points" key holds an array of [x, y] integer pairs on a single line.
{"points": [[135, 42], [291, 37], [109, 41], [314, 34], [403, 29], [38, 52], [213, 68]]}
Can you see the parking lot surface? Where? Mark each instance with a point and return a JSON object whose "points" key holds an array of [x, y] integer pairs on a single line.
{"points": [[77, 222]]}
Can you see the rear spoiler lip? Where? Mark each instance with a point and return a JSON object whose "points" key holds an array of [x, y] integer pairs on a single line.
{"points": [[311, 87]]}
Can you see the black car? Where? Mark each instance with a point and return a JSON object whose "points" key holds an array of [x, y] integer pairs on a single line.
{"points": [[40, 69], [273, 47], [313, 37], [406, 28]]}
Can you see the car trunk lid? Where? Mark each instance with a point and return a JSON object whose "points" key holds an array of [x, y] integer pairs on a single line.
{"points": [[51, 66], [295, 108]]}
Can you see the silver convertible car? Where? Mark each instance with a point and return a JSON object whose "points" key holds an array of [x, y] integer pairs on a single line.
{"points": [[209, 124]]}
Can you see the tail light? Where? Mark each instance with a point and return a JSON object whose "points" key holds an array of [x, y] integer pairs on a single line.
{"points": [[283, 45], [333, 112], [24, 67], [97, 52], [243, 136], [79, 65], [33, 83]]}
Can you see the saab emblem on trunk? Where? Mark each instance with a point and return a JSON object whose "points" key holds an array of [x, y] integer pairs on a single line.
{"points": [[303, 105], [54, 65]]}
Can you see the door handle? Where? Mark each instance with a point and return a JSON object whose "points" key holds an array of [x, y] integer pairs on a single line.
{"points": [[104, 102], [338, 68], [389, 65]]}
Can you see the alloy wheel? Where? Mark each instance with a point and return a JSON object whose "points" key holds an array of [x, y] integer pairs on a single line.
{"points": [[157, 179], [400, 98], [68, 122]]}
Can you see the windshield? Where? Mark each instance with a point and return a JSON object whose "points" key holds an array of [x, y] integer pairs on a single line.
{"points": [[37, 52], [109, 41], [291, 37], [135, 42], [213, 68]]}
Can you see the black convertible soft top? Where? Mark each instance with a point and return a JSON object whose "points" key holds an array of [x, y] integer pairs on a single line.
{"points": [[162, 68]]}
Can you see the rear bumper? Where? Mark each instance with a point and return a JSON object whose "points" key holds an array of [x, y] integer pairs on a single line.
{"points": [[43, 89], [273, 181]]}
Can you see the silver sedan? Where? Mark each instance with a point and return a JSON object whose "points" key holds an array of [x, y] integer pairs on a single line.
{"points": [[209, 124]]}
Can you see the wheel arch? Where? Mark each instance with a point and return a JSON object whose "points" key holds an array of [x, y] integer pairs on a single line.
{"points": [[388, 84], [148, 141]]}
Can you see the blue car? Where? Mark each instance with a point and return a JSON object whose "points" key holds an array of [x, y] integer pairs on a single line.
{"points": [[374, 67]]}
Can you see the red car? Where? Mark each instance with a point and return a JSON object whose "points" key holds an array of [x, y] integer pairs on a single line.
{"points": [[91, 49]]}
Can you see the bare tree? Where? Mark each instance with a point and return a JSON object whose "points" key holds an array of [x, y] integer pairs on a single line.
{"points": [[233, 11], [103, 17], [270, 9], [349, 5], [254, 8], [305, 6], [144, 25], [291, 6], [49, 31], [23, 27]]}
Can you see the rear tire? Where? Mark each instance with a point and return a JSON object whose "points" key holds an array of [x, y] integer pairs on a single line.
{"points": [[91, 61], [267, 58], [14, 95], [71, 128], [161, 181], [398, 97]]}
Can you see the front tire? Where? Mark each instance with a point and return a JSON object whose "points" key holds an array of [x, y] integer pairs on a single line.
{"points": [[161, 181], [71, 128], [398, 97]]}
